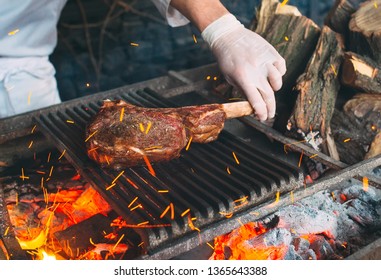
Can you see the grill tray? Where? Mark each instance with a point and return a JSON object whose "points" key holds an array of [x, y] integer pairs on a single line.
{"points": [[199, 180]]}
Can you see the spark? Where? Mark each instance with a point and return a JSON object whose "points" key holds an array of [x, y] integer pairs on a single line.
{"points": [[48, 160], [191, 225], [189, 142], [314, 155], [121, 114], [141, 127], [17, 199], [163, 191], [23, 175], [93, 149], [228, 170], [51, 171], [42, 182], [33, 129], [375, 4], [143, 223], [132, 183], [215, 78], [6, 231], [151, 170], [235, 157], [334, 70], [165, 211], [148, 127], [136, 207], [208, 78], [194, 39], [117, 177], [277, 196], [132, 202], [292, 196], [92, 242], [172, 211], [286, 38], [70, 121], [210, 245], [111, 186], [13, 32], [227, 215], [63, 152], [29, 95], [87, 84], [30, 145], [134, 44], [91, 135], [284, 3], [117, 243], [333, 196], [141, 244], [365, 183], [288, 145], [300, 159], [185, 212]]}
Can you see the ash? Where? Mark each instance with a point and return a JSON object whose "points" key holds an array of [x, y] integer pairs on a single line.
{"points": [[327, 225]]}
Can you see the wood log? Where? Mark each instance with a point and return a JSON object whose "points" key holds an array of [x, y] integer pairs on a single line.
{"points": [[365, 30], [361, 73], [318, 88], [375, 147], [356, 126], [293, 35], [340, 14]]}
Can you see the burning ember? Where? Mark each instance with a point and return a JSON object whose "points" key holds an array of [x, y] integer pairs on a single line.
{"points": [[51, 210], [327, 225]]}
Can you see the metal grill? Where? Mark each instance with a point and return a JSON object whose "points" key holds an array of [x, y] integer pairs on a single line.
{"points": [[204, 186]]}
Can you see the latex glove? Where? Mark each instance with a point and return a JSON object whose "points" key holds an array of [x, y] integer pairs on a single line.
{"points": [[248, 62]]}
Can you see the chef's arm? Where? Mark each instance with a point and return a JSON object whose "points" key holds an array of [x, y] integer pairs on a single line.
{"points": [[247, 60], [200, 12]]}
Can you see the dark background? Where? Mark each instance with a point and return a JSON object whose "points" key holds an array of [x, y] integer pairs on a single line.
{"points": [[96, 48]]}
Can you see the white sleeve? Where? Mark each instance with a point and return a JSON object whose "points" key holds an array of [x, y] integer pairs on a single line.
{"points": [[174, 17]]}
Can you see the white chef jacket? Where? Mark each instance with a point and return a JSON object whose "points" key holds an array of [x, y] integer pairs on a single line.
{"points": [[28, 35]]}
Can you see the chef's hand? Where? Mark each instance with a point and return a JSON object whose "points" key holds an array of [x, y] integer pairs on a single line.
{"points": [[247, 61]]}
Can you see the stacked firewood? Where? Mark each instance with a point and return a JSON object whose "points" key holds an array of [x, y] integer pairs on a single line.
{"points": [[332, 89]]}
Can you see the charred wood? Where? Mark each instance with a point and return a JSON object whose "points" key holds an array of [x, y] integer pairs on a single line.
{"points": [[361, 73], [317, 90]]}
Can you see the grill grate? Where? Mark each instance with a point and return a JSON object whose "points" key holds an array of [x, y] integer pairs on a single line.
{"points": [[206, 179]]}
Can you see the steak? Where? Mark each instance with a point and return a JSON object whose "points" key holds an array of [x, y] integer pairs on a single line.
{"points": [[123, 135]]}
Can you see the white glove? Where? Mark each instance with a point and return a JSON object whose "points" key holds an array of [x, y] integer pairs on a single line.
{"points": [[248, 62]]}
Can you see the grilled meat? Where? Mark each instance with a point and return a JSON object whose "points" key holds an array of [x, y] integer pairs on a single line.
{"points": [[123, 135]]}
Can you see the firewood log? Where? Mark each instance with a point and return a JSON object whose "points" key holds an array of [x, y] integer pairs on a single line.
{"points": [[293, 35], [375, 147], [361, 73], [356, 126], [340, 14], [365, 30], [318, 88]]}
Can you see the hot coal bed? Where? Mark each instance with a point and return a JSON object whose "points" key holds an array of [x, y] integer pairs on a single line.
{"points": [[248, 195]]}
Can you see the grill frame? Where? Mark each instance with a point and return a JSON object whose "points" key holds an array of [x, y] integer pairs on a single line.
{"points": [[205, 200]]}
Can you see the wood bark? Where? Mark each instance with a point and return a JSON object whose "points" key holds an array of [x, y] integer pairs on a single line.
{"points": [[375, 147], [360, 73], [356, 126], [318, 87], [365, 30], [293, 35], [340, 14]]}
